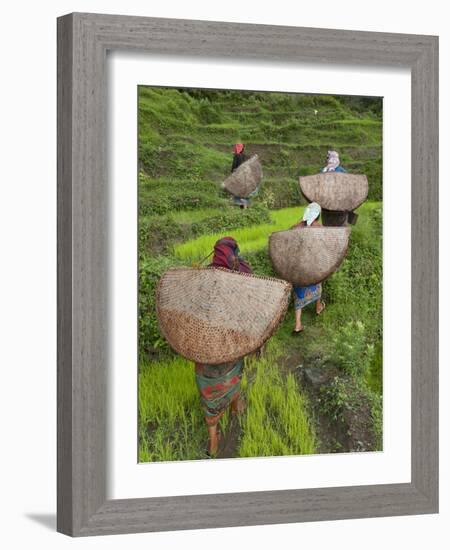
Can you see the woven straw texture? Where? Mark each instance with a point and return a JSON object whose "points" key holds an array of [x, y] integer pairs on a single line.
{"points": [[335, 190], [308, 256], [245, 179], [214, 316]]}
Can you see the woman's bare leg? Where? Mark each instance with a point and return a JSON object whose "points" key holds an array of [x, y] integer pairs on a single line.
{"points": [[298, 320], [212, 423], [320, 306], [213, 438]]}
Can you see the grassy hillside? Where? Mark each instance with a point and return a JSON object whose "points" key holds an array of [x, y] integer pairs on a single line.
{"points": [[187, 135], [185, 139]]}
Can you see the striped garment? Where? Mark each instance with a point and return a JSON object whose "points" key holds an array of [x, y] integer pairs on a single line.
{"points": [[218, 386]]}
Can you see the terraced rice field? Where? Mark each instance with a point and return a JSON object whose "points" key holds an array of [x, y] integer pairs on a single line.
{"points": [[184, 156]]}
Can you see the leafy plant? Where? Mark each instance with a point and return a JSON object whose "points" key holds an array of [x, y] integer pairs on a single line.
{"points": [[347, 397], [150, 271], [351, 352]]}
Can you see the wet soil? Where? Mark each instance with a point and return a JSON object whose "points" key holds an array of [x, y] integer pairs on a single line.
{"points": [[229, 443], [352, 431]]}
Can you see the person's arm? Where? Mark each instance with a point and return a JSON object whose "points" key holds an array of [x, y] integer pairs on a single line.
{"points": [[235, 163]]}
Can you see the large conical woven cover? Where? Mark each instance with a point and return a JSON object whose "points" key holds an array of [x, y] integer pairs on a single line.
{"points": [[245, 179], [308, 255], [335, 190], [216, 316]]}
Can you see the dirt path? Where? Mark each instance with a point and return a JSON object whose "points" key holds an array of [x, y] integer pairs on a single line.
{"points": [[229, 443], [347, 434]]}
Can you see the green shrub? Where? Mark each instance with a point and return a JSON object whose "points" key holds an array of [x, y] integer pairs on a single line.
{"points": [[373, 169], [357, 286], [157, 234], [260, 263], [168, 195], [150, 271], [232, 218], [208, 112], [363, 104], [376, 219], [353, 320], [351, 351], [180, 158], [346, 395], [336, 398], [281, 192], [374, 376]]}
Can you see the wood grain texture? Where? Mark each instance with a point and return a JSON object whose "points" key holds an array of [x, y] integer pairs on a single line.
{"points": [[425, 273], [83, 40], [82, 275], [64, 252]]}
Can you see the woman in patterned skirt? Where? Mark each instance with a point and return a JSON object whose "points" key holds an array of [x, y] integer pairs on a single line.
{"points": [[305, 295], [220, 385]]}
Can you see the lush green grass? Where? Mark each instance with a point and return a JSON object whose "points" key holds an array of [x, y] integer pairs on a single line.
{"points": [[256, 237], [171, 425], [188, 217], [249, 238], [188, 134], [166, 195], [276, 420], [158, 233]]}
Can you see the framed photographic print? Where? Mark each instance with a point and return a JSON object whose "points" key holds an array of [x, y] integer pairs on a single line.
{"points": [[247, 274]]}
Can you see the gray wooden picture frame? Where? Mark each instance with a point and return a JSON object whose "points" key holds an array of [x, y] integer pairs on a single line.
{"points": [[83, 41]]}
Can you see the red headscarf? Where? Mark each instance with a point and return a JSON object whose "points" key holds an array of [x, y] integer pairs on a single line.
{"points": [[238, 148], [226, 254]]}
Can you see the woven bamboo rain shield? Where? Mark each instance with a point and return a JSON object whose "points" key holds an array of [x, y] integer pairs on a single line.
{"points": [[245, 179], [336, 191], [214, 315], [308, 255]]}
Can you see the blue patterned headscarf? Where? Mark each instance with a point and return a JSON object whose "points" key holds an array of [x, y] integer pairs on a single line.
{"points": [[332, 161]]}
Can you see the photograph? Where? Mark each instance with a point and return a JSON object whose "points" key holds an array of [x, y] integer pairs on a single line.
{"points": [[260, 274], [224, 258]]}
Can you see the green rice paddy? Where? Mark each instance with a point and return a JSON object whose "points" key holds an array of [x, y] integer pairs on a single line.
{"points": [[184, 154], [249, 238]]}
